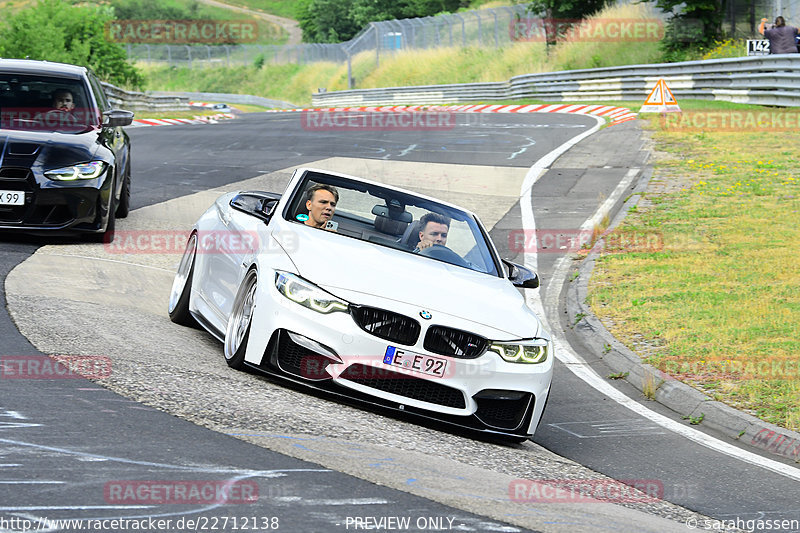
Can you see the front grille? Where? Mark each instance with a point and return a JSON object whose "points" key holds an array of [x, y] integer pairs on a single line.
{"points": [[16, 179], [404, 385], [503, 413], [454, 342], [300, 361], [14, 174], [387, 325]]}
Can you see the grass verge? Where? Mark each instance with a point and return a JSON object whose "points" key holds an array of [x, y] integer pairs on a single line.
{"points": [[716, 303]]}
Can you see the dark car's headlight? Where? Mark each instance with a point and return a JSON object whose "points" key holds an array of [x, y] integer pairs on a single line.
{"points": [[529, 351], [82, 171], [307, 294]]}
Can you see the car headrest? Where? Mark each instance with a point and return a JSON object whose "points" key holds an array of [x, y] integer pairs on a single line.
{"points": [[394, 212], [410, 238], [387, 225]]}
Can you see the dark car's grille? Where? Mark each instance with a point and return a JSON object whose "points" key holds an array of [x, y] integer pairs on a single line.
{"points": [[454, 342], [387, 325], [14, 174], [503, 413], [16, 179], [404, 385]]}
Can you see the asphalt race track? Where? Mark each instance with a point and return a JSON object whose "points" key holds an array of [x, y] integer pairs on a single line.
{"points": [[318, 463]]}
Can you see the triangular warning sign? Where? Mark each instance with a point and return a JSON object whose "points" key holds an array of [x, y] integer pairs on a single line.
{"points": [[660, 100]]}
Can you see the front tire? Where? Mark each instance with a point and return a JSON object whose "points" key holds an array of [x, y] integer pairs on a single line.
{"points": [[238, 331], [182, 286], [124, 206]]}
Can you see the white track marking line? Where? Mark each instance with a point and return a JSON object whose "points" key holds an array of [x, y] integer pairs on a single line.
{"points": [[128, 263], [574, 362]]}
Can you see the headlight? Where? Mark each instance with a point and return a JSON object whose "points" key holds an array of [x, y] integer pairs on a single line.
{"points": [[533, 351], [83, 171], [306, 294]]}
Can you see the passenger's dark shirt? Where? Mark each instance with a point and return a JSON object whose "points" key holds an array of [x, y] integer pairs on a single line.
{"points": [[782, 39]]}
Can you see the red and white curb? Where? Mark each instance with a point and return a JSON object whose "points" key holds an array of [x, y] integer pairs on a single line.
{"points": [[617, 115], [212, 119]]}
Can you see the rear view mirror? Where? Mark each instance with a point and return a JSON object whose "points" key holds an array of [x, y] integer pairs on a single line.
{"points": [[394, 212]]}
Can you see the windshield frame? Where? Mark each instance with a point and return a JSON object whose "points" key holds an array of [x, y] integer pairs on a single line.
{"points": [[487, 250]]}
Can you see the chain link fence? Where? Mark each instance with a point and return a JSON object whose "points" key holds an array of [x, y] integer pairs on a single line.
{"points": [[494, 27], [485, 27]]}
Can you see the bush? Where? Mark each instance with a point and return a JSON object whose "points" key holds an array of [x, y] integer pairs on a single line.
{"points": [[727, 48], [54, 30]]}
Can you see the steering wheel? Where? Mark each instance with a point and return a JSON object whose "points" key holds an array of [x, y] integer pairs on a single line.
{"points": [[59, 117], [443, 253]]}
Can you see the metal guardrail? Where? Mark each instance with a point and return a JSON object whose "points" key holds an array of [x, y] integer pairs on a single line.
{"points": [[765, 80], [229, 98], [136, 101], [179, 101]]}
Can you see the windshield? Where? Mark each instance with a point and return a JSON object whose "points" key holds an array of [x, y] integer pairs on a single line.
{"points": [[45, 103], [399, 220]]}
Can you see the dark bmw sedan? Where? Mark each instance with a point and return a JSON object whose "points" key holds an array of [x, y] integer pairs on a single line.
{"points": [[64, 157]]}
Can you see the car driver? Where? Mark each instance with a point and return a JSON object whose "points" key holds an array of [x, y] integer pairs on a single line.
{"points": [[321, 202], [433, 229]]}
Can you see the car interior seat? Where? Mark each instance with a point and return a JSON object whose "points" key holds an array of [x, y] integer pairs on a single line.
{"points": [[410, 237], [391, 219]]}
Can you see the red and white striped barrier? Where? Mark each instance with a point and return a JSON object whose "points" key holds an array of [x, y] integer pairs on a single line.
{"points": [[211, 119], [617, 115]]}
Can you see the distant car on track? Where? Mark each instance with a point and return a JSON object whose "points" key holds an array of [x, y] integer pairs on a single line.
{"points": [[221, 108], [364, 311], [64, 157]]}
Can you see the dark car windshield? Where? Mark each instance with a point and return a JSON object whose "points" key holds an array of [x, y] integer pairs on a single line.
{"points": [[45, 103], [385, 217]]}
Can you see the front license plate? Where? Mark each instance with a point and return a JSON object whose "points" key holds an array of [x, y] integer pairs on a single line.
{"points": [[416, 362], [12, 198]]}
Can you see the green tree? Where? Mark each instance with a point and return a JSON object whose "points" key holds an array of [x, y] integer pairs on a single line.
{"points": [[559, 13], [694, 23], [328, 21], [54, 30], [340, 20], [154, 9], [426, 8]]}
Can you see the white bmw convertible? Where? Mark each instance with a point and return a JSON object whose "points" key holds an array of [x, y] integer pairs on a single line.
{"points": [[370, 292]]}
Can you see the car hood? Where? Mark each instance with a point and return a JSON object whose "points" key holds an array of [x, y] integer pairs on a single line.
{"points": [[344, 266], [47, 150]]}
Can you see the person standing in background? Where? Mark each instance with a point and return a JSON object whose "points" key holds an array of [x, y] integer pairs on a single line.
{"points": [[782, 38]]}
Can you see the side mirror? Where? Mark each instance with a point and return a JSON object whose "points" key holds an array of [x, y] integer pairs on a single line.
{"points": [[521, 276], [268, 206], [257, 203], [117, 117]]}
